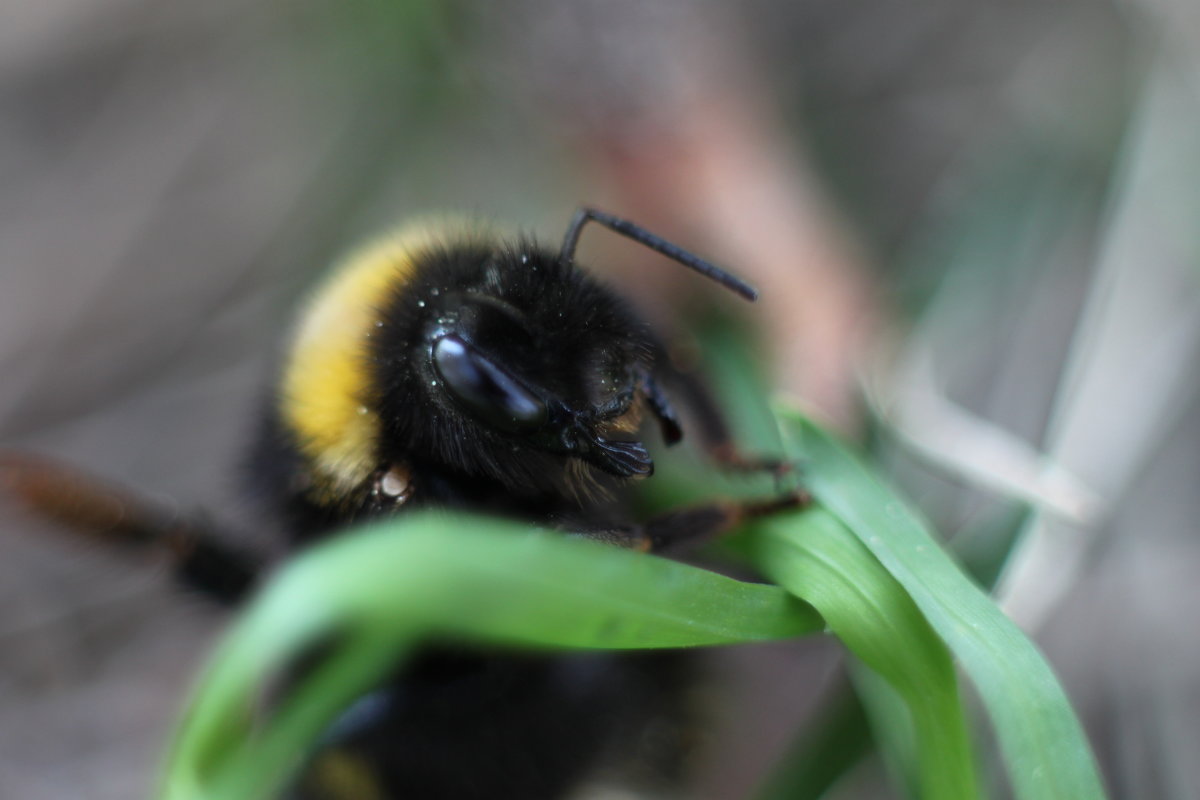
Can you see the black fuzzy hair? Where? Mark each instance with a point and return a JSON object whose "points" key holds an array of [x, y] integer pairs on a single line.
{"points": [[573, 328]]}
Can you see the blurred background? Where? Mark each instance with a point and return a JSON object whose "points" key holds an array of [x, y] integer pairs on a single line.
{"points": [[975, 225]]}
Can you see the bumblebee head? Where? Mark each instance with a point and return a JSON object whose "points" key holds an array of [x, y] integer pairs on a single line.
{"points": [[520, 361], [577, 410], [455, 353]]}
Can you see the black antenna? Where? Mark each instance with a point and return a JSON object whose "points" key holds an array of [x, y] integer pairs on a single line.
{"points": [[655, 243]]}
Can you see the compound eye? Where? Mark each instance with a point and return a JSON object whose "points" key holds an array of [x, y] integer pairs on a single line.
{"points": [[485, 389]]}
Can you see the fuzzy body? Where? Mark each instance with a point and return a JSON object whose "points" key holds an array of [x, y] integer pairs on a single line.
{"points": [[360, 392], [364, 408]]}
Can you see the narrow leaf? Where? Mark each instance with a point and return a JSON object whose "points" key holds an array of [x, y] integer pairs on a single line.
{"points": [[1047, 754], [380, 591], [815, 556]]}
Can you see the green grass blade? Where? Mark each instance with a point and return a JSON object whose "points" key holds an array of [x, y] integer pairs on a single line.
{"points": [[890, 726], [1046, 752], [859, 713], [375, 593], [816, 557]]}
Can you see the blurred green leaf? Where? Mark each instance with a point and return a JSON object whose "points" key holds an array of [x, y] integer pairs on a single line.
{"points": [[377, 592]]}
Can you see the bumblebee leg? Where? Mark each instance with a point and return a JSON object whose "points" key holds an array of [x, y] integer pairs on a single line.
{"points": [[686, 528], [204, 563], [660, 406], [712, 429], [117, 517]]}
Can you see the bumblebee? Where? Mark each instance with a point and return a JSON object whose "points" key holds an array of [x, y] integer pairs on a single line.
{"points": [[447, 367]]}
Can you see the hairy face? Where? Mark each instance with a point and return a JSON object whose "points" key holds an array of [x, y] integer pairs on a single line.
{"points": [[510, 364]]}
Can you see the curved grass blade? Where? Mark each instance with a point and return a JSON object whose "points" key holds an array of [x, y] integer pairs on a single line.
{"points": [[378, 592], [1047, 755], [816, 557]]}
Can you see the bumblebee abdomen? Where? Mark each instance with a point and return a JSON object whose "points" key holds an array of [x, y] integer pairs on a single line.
{"points": [[468, 726]]}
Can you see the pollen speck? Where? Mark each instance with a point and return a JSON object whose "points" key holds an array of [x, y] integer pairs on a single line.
{"points": [[396, 482]]}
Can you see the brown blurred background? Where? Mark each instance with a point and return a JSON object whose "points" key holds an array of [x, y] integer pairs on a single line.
{"points": [[973, 222]]}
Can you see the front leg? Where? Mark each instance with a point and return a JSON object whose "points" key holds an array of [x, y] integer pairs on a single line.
{"points": [[687, 528], [714, 433]]}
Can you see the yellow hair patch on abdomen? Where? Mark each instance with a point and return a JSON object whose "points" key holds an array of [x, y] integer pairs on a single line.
{"points": [[325, 400]]}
